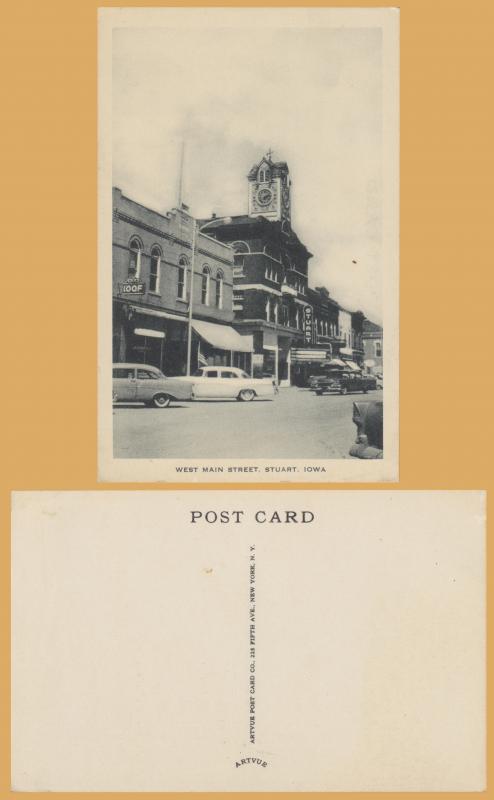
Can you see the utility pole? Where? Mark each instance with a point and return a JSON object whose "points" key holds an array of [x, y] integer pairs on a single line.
{"points": [[191, 294], [181, 176]]}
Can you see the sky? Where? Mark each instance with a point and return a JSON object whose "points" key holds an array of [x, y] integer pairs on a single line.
{"points": [[313, 95]]}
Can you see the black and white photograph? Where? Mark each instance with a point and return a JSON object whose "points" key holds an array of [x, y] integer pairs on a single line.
{"points": [[248, 255]]}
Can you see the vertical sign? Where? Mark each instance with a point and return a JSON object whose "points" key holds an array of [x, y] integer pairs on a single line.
{"points": [[308, 324]]}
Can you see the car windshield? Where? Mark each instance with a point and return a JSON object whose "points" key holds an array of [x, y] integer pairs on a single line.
{"points": [[199, 373], [244, 375]]}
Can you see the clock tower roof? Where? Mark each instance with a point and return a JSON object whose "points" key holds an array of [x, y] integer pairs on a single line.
{"points": [[277, 168]]}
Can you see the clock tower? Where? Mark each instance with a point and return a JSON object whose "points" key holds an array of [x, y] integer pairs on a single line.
{"points": [[269, 190]]}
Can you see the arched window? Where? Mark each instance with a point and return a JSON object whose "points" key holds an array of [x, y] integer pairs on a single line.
{"points": [[239, 249], [263, 175], [134, 258], [206, 274], [182, 277], [154, 270], [219, 289]]}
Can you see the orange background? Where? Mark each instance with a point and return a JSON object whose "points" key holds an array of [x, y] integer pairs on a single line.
{"points": [[48, 255]]}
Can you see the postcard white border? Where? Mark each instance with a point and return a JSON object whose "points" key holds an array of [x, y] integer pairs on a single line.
{"points": [[335, 470]]}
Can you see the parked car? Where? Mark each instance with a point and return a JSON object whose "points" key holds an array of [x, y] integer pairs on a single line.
{"points": [[368, 417], [144, 383], [343, 382], [215, 383]]}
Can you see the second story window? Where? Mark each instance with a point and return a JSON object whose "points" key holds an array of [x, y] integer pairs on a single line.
{"points": [[239, 249], [378, 349], [134, 258], [206, 274], [154, 270], [219, 289], [182, 277]]}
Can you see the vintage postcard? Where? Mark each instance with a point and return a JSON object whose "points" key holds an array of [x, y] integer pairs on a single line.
{"points": [[248, 641], [248, 244]]}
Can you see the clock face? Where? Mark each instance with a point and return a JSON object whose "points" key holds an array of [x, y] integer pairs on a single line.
{"points": [[264, 197]]}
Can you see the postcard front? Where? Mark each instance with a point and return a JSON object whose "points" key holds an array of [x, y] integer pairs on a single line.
{"points": [[248, 261], [248, 641]]}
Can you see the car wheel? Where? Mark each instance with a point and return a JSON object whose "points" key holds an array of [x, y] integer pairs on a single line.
{"points": [[161, 400], [319, 392], [246, 395], [343, 390], [365, 391]]}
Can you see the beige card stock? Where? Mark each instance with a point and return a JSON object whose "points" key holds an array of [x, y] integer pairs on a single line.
{"points": [[345, 653]]}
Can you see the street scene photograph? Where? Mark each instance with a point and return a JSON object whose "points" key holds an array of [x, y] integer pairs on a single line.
{"points": [[253, 252]]}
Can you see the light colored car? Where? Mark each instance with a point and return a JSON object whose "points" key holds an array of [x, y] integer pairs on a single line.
{"points": [[133, 383], [226, 383]]}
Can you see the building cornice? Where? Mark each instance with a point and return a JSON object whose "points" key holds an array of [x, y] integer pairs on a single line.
{"points": [[120, 215]]}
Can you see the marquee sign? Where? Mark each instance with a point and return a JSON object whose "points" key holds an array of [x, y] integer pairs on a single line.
{"points": [[308, 324]]}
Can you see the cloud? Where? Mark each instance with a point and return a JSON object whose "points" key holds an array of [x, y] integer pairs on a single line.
{"points": [[313, 95]]}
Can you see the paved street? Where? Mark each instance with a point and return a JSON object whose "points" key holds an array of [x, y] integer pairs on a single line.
{"points": [[297, 424]]}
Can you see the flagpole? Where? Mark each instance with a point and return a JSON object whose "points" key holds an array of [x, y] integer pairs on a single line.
{"points": [[181, 175], [191, 295]]}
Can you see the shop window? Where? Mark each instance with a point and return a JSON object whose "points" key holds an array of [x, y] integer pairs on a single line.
{"points": [[154, 270], [219, 289], [206, 275], [182, 277], [134, 258]]}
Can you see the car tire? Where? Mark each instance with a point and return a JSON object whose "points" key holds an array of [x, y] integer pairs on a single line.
{"points": [[365, 391], [246, 395], [319, 392], [161, 400]]}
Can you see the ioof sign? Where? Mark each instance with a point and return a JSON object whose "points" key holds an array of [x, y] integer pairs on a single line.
{"points": [[132, 286]]}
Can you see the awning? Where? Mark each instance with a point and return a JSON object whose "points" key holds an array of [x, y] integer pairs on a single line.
{"points": [[353, 366], [336, 362], [149, 332], [223, 337], [155, 313], [346, 351]]}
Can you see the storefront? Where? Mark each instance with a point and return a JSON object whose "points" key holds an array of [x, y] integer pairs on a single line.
{"points": [[221, 345], [307, 361]]}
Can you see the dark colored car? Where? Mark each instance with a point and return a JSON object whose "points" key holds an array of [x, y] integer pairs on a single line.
{"points": [[343, 383], [368, 417]]}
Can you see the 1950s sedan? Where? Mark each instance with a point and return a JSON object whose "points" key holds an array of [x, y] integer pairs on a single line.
{"points": [[343, 382], [142, 383], [230, 383]]}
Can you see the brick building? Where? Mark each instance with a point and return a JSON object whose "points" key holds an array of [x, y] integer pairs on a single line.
{"points": [[152, 257], [271, 267]]}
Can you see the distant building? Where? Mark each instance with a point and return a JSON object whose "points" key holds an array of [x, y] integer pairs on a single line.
{"points": [[351, 326], [372, 336], [152, 256]]}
